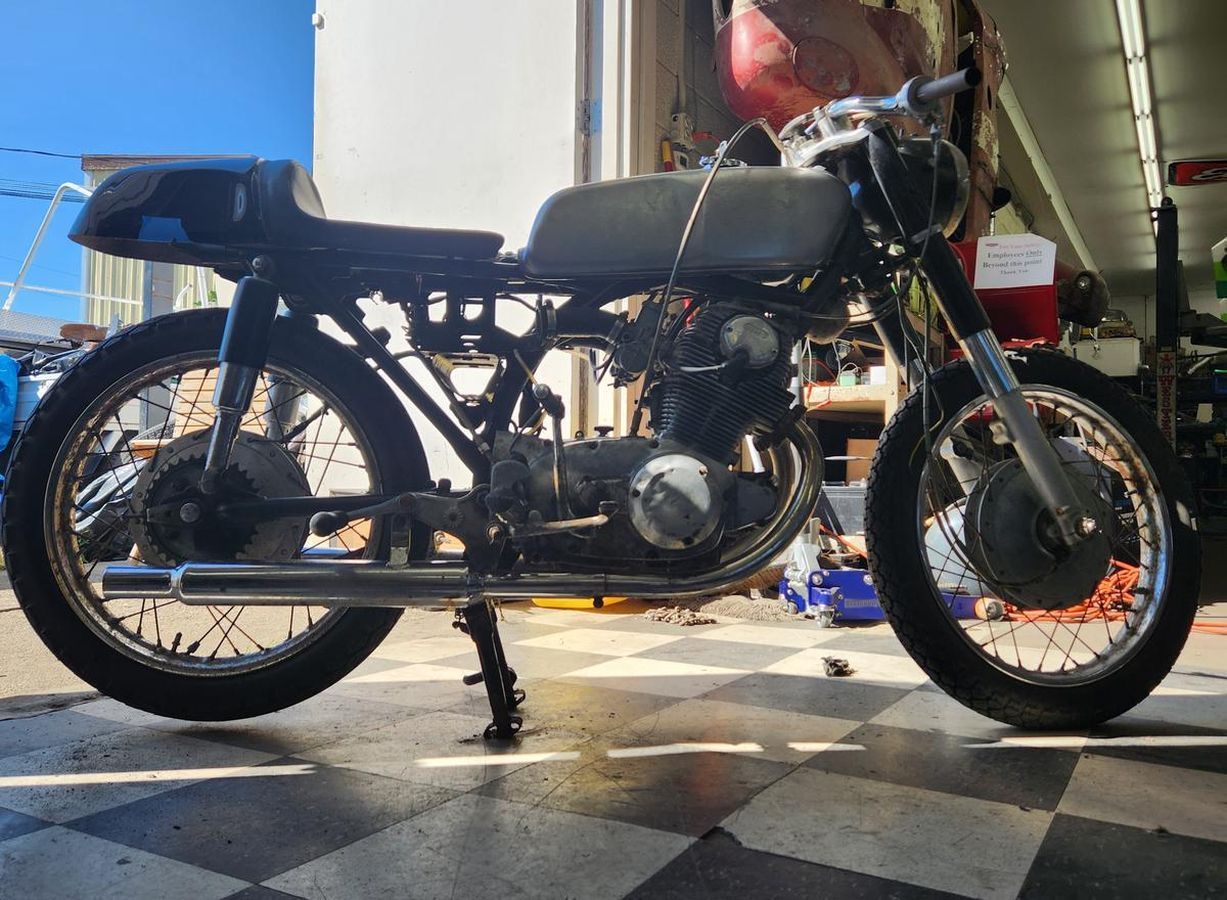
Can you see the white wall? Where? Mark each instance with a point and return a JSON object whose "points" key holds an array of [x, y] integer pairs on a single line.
{"points": [[459, 114], [1141, 310]]}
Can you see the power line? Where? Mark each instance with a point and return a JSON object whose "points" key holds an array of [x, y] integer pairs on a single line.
{"points": [[41, 152], [41, 266]]}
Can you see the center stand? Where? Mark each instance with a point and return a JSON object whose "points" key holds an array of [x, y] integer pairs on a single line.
{"points": [[478, 620]]}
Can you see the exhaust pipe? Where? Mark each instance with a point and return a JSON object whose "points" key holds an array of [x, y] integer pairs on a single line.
{"points": [[358, 583], [290, 584]]}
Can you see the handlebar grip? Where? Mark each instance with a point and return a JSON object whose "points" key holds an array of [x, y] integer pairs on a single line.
{"points": [[932, 91]]}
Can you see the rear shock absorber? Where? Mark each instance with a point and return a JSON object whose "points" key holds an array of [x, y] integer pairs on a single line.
{"points": [[243, 353]]}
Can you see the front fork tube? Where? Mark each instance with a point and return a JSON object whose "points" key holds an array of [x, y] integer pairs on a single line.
{"points": [[241, 358], [1026, 435], [969, 323]]}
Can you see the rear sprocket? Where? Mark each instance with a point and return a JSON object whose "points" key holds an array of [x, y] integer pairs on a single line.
{"points": [[174, 521]]}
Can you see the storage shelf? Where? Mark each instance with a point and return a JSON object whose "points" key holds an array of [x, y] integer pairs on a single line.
{"points": [[824, 400]]}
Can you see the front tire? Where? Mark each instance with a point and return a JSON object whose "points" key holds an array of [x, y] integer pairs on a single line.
{"points": [[1131, 643], [126, 663]]}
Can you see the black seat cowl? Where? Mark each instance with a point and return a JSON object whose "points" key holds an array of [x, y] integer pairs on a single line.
{"points": [[221, 211]]}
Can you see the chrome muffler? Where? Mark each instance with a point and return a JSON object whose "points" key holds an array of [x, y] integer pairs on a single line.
{"points": [[361, 583]]}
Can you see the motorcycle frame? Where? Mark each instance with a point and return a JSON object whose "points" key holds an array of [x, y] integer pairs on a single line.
{"points": [[312, 285], [576, 324]]}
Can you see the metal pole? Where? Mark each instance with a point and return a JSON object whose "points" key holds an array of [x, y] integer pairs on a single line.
{"points": [[1167, 315], [38, 237], [84, 294]]}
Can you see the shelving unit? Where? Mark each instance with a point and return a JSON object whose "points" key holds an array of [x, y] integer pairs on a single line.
{"points": [[856, 402], [849, 418]]}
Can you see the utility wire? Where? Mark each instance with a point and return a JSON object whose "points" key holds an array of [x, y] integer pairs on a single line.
{"points": [[41, 152]]}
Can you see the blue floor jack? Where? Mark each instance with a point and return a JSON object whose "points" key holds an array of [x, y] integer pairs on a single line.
{"points": [[833, 595]]}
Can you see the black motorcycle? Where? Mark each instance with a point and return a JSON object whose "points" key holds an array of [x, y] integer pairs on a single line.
{"points": [[285, 513]]}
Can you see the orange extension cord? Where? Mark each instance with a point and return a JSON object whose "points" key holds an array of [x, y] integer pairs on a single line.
{"points": [[1111, 600]]}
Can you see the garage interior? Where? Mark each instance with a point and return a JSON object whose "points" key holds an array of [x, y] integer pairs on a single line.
{"points": [[777, 740]]}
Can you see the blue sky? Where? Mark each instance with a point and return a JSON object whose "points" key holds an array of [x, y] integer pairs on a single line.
{"points": [[140, 77]]}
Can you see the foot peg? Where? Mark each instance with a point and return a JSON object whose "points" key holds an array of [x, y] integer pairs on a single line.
{"points": [[514, 699]]}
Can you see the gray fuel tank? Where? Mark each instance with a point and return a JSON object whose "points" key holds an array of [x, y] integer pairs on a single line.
{"points": [[756, 219]]}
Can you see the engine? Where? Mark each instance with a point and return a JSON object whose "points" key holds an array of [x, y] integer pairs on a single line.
{"points": [[727, 373], [672, 496]]}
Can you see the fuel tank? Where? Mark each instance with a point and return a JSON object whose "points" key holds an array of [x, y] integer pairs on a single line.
{"points": [[756, 219]]}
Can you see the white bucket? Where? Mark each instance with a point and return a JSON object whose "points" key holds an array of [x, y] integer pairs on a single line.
{"points": [[30, 388]]}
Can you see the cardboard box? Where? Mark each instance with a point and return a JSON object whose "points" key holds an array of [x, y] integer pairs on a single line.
{"points": [[858, 469], [1116, 357]]}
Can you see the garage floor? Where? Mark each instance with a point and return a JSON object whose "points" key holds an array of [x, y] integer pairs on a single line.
{"points": [[657, 761]]}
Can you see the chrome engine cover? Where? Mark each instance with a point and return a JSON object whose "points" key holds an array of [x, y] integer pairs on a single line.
{"points": [[651, 528], [674, 501]]}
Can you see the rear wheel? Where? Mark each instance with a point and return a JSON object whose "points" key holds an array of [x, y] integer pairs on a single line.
{"points": [[120, 440], [998, 614]]}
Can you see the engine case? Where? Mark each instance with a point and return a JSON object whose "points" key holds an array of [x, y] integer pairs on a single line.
{"points": [[600, 470], [673, 497]]}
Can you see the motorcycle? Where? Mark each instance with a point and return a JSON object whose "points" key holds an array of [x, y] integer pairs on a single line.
{"points": [[285, 515]]}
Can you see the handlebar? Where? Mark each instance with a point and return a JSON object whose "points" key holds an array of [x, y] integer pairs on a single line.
{"points": [[938, 88], [918, 98]]}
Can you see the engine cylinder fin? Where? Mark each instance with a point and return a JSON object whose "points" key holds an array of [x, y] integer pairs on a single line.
{"points": [[701, 407]]}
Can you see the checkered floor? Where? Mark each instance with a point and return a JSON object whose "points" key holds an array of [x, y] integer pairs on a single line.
{"points": [[656, 761]]}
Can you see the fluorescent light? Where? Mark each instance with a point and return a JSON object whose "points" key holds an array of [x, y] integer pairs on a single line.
{"points": [[1130, 17], [1146, 139], [1153, 183], [1026, 135], [1139, 85], [1137, 70]]}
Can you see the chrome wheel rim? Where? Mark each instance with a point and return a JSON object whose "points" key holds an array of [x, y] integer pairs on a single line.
{"points": [[1103, 632], [114, 439]]}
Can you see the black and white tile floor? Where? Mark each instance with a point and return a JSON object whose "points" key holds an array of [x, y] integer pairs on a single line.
{"points": [[656, 761]]}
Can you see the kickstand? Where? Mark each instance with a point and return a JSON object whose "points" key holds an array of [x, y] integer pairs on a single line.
{"points": [[477, 620]]}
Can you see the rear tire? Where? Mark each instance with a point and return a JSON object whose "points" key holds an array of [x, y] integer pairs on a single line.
{"points": [[350, 637], [901, 567]]}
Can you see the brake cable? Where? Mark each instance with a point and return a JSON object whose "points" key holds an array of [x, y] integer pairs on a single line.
{"points": [[667, 297]]}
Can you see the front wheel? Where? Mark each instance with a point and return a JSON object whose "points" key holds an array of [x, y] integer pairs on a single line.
{"points": [[999, 615]]}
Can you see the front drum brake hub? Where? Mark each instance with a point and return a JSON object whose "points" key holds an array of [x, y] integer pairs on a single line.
{"points": [[1009, 539], [174, 521]]}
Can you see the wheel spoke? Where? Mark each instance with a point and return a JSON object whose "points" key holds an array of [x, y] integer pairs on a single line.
{"points": [[1032, 641], [105, 465]]}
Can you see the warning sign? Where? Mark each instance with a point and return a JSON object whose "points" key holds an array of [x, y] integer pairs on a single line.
{"points": [[1014, 260]]}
